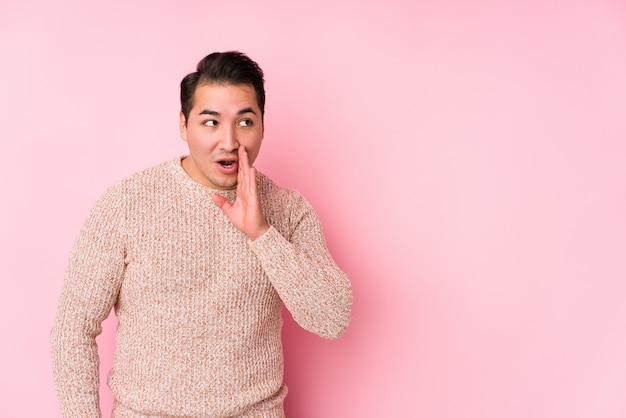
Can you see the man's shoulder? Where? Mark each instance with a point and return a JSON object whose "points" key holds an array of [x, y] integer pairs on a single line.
{"points": [[281, 202], [146, 181], [273, 192], [154, 175]]}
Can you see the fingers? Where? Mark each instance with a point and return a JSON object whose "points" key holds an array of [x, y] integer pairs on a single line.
{"points": [[244, 160], [244, 168], [246, 176]]}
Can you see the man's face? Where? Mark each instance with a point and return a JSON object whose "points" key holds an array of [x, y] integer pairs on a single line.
{"points": [[223, 117]]}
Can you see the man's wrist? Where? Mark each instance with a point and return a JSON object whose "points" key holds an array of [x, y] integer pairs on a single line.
{"points": [[259, 232]]}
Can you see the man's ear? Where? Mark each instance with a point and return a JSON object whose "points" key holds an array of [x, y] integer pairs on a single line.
{"points": [[183, 126]]}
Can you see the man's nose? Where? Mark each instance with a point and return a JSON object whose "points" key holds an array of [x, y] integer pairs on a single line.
{"points": [[229, 141]]}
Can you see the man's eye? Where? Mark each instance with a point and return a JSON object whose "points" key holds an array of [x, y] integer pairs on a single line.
{"points": [[210, 122], [245, 122]]}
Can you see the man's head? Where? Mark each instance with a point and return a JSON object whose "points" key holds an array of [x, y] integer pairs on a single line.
{"points": [[222, 110], [230, 67]]}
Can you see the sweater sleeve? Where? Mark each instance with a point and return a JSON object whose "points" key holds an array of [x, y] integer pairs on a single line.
{"points": [[89, 291], [313, 288]]}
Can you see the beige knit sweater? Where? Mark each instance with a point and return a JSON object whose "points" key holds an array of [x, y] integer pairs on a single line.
{"points": [[198, 303]]}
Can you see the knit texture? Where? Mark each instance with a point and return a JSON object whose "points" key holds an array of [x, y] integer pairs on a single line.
{"points": [[198, 303]]}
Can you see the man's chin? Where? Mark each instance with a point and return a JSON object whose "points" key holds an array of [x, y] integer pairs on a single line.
{"points": [[224, 183]]}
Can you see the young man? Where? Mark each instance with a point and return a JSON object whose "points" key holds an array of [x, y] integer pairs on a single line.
{"points": [[197, 255]]}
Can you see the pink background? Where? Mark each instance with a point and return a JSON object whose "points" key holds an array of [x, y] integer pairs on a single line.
{"points": [[468, 164]]}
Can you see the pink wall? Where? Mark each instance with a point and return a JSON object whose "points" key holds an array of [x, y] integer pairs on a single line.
{"points": [[468, 163]]}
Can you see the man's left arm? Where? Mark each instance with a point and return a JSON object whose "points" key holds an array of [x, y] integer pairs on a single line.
{"points": [[315, 291]]}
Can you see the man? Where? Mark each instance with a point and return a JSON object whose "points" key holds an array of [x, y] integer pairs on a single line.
{"points": [[197, 256]]}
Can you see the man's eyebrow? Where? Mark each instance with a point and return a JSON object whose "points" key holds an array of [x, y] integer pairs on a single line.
{"points": [[216, 113], [246, 110]]}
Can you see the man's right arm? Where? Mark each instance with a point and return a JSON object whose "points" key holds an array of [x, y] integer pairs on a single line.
{"points": [[90, 289]]}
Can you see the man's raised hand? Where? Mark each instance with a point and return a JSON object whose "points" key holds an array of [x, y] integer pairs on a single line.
{"points": [[245, 212]]}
